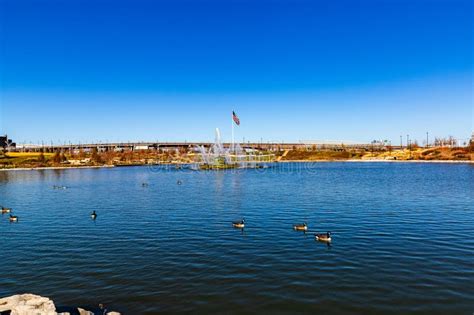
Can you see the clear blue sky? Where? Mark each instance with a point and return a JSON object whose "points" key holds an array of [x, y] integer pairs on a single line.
{"points": [[174, 70]]}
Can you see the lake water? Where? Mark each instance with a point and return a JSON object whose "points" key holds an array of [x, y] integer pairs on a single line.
{"points": [[403, 239]]}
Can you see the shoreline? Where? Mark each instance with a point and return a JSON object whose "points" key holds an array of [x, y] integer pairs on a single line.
{"points": [[285, 161], [53, 168], [381, 161]]}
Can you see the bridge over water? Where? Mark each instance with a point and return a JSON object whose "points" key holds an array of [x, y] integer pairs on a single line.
{"points": [[133, 146]]}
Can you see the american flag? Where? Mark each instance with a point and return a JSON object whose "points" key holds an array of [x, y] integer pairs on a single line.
{"points": [[235, 118]]}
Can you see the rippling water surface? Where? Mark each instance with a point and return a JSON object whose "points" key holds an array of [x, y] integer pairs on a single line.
{"points": [[403, 239]]}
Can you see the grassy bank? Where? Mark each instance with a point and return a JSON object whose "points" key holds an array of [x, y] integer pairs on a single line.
{"points": [[24, 159], [419, 154]]}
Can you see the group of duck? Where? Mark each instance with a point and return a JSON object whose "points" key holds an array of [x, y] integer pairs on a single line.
{"points": [[178, 182], [12, 218], [60, 187], [322, 237]]}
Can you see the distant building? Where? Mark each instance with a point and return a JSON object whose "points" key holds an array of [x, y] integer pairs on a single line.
{"points": [[6, 143], [141, 147]]}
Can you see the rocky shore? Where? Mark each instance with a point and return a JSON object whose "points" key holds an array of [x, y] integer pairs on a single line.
{"points": [[31, 304]]}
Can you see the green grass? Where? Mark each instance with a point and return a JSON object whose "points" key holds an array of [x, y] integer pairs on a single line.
{"points": [[21, 160]]}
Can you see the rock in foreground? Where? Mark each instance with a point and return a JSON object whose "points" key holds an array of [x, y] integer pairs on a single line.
{"points": [[27, 304], [30, 304]]}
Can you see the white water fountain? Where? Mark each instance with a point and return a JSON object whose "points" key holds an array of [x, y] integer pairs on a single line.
{"points": [[218, 157]]}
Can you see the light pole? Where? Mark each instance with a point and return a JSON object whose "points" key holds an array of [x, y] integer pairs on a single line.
{"points": [[427, 140], [401, 142]]}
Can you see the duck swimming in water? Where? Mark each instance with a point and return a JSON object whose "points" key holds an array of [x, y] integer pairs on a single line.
{"points": [[6, 210], [239, 224], [13, 218], [93, 215], [300, 227], [323, 237]]}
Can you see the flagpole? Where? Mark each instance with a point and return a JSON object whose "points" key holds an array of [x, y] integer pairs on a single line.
{"points": [[232, 122]]}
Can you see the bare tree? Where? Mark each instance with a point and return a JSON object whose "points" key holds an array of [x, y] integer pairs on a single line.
{"points": [[95, 157], [41, 157], [57, 157]]}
